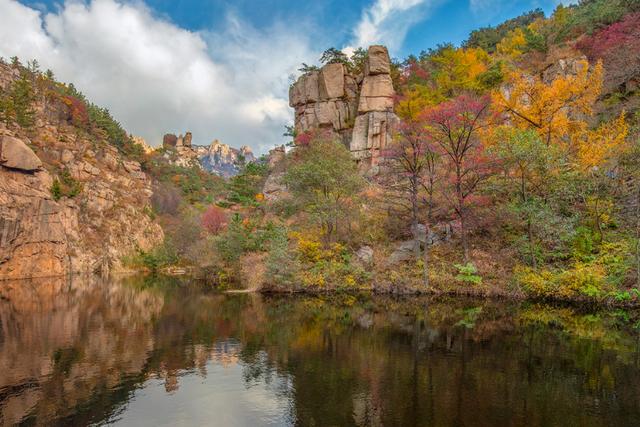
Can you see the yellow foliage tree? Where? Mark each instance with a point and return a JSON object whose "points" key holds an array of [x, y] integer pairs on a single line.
{"points": [[513, 44], [556, 110], [415, 100], [458, 69], [599, 146]]}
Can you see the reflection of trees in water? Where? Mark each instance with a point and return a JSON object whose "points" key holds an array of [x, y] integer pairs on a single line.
{"points": [[74, 352]]}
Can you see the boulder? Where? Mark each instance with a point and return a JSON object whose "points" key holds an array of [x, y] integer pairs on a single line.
{"points": [[368, 104], [331, 81], [404, 252], [276, 155], [376, 86], [364, 255], [376, 94], [274, 188], [372, 132], [378, 61], [66, 156], [15, 154]]}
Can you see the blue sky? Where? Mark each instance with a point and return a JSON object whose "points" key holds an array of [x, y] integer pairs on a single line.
{"points": [[221, 69]]}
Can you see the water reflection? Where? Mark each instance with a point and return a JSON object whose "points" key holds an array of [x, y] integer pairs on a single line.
{"points": [[161, 352]]}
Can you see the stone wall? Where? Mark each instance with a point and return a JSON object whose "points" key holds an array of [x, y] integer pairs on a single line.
{"points": [[359, 109]]}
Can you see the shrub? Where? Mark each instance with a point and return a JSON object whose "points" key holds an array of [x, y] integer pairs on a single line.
{"points": [[214, 219], [64, 185], [282, 265], [468, 273], [595, 277], [166, 198]]}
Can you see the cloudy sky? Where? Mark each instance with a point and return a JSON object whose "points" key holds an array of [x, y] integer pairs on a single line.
{"points": [[220, 68]]}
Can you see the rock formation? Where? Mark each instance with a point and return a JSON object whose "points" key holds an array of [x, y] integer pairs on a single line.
{"points": [[217, 158], [359, 109], [47, 234], [143, 143]]}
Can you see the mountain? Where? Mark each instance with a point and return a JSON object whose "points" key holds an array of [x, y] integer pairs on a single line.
{"points": [[217, 158]]}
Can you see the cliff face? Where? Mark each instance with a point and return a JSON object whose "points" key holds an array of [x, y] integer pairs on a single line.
{"points": [[217, 158], [359, 109], [45, 231]]}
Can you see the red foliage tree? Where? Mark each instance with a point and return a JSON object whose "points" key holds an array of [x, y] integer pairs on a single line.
{"points": [[618, 46], [454, 128], [79, 115], [214, 219]]}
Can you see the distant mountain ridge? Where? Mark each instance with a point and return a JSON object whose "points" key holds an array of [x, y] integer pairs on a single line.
{"points": [[217, 158]]}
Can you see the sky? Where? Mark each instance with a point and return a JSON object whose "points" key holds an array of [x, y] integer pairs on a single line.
{"points": [[221, 69]]}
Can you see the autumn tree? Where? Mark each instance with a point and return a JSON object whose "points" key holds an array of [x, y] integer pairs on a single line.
{"points": [[530, 170], [324, 179], [214, 219], [555, 109], [410, 180], [454, 127]]}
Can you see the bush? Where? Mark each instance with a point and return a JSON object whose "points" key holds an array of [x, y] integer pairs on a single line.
{"points": [[214, 219], [468, 273], [161, 256], [595, 277], [282, 265], [166, 198], [64, 185]]}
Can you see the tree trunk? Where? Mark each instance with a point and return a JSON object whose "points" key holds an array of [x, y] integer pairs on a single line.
{"points": [[463, 237], [425, 258], [534, 262]]}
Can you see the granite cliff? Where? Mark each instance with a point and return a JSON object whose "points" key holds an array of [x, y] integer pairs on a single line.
{"points": [[70, 201]]}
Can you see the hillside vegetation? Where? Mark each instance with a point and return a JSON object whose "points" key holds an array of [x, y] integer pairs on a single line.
{"points": [[514, 171]]}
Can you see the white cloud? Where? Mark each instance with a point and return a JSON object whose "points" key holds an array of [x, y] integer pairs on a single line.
{"points": [[156, 77], [388, 21]]}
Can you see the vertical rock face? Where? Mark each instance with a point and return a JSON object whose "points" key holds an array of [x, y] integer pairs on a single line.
{"points": [[361, 114], [325, 99], [44, 233]]}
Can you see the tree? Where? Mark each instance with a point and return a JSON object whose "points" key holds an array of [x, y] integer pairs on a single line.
{"points": [[334, 56], [22, 98], [325, 179], [411, 178], [454, 128], [529, 167], [458, 70], [554, 109], [214, 219]]}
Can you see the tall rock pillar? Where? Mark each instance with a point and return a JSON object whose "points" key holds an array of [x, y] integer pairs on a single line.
{"points": [[376, 121]]}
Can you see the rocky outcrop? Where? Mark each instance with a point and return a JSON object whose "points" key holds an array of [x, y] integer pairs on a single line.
{"points": [[143, 143], [218, 158], [224, 160], [325, 99], [90, 229], [15, 154], [358, 109]]}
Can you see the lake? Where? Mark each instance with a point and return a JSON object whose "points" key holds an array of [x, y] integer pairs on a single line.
{"points": [[166, 352]]}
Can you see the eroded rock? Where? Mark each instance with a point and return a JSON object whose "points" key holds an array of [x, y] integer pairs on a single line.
{"points": [[15, 154]]}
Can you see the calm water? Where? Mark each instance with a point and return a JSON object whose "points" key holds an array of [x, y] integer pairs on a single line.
{"points": [[141, 352]]}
